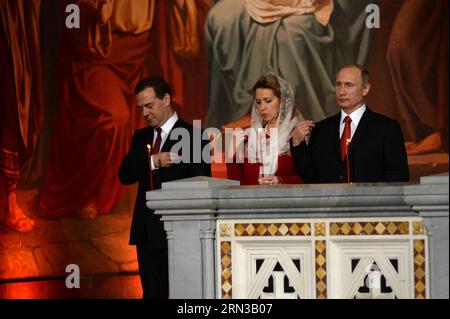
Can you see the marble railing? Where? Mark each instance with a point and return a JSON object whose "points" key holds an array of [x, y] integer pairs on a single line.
{"points": [[306, 241]]}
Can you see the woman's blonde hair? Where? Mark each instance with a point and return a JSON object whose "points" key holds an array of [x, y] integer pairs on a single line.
{"points": [[268, 81]]}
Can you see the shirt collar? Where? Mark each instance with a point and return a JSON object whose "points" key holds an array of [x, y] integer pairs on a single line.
{"points": [[355, 116], [167, 127]]}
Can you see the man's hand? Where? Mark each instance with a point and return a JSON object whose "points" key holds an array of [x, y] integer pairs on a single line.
{"points": [[302, 132], [165, 159]]}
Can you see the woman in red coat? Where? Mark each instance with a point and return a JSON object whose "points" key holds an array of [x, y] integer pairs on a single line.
{"points": [[265, 157]]}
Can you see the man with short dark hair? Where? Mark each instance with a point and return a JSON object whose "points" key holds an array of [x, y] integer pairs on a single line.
{"points": [[150, 162], [356, 145]]}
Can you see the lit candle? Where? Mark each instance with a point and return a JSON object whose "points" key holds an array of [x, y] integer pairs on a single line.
{"points": [[347, 146], [149, 153]]}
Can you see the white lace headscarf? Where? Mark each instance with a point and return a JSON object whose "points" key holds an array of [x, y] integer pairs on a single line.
{"points": [[288, 117]]}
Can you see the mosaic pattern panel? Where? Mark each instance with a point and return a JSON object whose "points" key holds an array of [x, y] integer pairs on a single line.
{"points": [[419, 269], [317, 232], [281, 229], [369, 228], [321, 269], [226, 263]]}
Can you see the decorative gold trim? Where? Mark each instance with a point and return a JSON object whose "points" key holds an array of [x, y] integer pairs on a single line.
{"points": [[272, 229], [319, 229], [419, 228], [226, 274], [321, 269], [225, 230], [369, 228], [420, 288]]}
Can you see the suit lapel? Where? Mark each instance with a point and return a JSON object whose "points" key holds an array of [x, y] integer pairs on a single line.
{"points": [[169, 143], [361, 131], [148, 137], [336, 151]]}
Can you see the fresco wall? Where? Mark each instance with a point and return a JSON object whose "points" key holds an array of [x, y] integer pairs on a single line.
{"points": [[67, 109]]}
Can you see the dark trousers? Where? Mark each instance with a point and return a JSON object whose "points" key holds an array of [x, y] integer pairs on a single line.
{"points": [[154, 271]]}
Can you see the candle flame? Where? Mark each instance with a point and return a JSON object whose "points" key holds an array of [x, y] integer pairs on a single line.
{"points": [[149, 147]]}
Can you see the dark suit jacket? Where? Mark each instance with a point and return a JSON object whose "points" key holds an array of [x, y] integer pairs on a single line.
{"points": [[146, 227], [377, 152]]}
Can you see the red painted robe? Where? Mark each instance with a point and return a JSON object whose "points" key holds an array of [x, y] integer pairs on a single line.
{"points": [[100, 67], [21, 93]]}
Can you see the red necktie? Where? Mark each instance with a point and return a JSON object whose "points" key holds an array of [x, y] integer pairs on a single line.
{"points": [[346, 135], [157, 145], [155, 150]]}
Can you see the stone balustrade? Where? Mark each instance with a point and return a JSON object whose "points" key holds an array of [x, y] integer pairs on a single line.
{"points": [[306, 241]]}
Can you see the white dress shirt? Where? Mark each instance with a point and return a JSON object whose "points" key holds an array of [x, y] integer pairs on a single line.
{"points": [[356, 118], [165, 131]]}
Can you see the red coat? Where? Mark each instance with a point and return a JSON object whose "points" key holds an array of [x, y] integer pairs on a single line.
{"points": [[248, 173]]}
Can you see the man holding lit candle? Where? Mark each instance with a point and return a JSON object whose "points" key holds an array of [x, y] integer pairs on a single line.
{"points": [[356, 145], [151, 162]]}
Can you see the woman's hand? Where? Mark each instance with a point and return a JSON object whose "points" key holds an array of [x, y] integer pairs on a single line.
{"points": [[302, 132], [269, 180]]}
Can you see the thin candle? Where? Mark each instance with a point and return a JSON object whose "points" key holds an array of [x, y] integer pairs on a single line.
{"points": [[149, 153], [347, 146]]}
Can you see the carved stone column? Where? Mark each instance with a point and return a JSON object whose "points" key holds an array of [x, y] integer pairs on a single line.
{"points": [[188, 210]]}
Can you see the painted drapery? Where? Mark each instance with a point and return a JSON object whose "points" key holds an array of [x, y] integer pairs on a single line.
{"points": [[305, 48], [100, 65], [417, 57], [21, 83], [21, 99], [298, 47]]}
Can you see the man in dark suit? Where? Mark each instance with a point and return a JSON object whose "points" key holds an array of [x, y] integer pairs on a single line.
{"points": [[150, 162], [356, 145]]}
